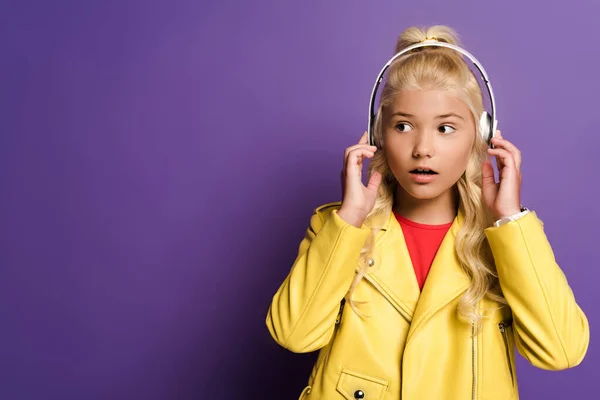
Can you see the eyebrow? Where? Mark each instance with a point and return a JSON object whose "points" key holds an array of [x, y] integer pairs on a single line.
{"points": [[403, 114], [449, 115], [406, 115]]}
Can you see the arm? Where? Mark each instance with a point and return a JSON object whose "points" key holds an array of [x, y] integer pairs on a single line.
{"points": [[551, 330], [302, 314]]}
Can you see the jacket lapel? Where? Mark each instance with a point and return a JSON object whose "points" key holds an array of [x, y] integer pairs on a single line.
{"points": [[446, 280], [393, 275]]}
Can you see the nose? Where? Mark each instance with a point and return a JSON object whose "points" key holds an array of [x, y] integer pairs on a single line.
{"points": [[424, 146]]}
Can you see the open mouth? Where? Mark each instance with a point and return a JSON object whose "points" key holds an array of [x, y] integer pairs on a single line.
{"points": [[420, 171]]}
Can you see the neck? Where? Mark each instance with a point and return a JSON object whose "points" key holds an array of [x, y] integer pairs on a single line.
{"points": [[436, 211]]}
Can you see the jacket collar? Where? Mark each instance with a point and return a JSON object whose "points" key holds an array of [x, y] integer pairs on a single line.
{"points": [[396, 279]]}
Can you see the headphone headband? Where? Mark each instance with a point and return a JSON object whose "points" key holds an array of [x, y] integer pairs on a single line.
{"points": [[432, 42]]}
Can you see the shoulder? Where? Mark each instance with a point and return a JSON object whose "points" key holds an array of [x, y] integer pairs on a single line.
{"points": [[325, 210]]}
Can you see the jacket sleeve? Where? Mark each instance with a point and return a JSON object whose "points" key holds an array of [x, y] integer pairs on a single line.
{"points": [[551, 330], [302, 315]]}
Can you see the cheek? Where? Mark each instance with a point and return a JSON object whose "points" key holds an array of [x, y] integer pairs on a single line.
{"points": [[465, 156], [396, 161], [459, 160]]}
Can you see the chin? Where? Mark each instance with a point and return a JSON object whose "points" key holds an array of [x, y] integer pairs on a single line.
{"points": [[423, 191]]}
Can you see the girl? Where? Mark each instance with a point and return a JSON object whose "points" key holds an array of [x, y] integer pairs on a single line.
{"points": [[443, 271]]}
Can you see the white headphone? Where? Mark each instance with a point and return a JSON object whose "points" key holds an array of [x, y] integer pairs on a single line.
{"points": [[487, 123]]}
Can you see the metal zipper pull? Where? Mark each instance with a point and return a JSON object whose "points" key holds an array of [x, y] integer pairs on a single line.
{"points": [[503, 325]]}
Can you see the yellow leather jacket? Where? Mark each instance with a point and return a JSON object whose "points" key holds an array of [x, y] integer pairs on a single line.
{"points": [[412, 345]]}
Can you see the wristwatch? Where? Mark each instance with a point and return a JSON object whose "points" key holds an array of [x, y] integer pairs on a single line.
{"points": [[514, 217]]}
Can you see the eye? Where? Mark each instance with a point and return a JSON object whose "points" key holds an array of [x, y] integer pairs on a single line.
{"points": [[447, 129], [403, 127]]}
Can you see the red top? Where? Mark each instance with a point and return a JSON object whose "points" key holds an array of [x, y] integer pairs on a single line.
{"points": [[423, 242]]}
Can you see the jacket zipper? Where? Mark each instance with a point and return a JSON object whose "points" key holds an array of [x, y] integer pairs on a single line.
{"points": [[474, 362], [503, 326]]}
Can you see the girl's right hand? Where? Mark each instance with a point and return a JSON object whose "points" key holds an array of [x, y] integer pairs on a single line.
{"points": [[357, 199]]}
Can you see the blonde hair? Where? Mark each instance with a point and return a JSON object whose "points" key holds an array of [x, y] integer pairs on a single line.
{"points": [[438, 68]]}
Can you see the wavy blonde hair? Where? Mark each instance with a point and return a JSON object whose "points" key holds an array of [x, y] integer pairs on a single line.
{"points": [[439, 68]]}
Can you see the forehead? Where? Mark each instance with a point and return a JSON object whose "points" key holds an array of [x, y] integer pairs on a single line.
{"points": [[428, 103]]}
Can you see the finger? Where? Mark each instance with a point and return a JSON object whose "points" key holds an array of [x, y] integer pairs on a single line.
{"points": [[487, 170], [505, 144], [364, 138], [351, 148], [374, 181], [506, 159], [359, 146], [355, 158], [489, 187], [498, 160]]}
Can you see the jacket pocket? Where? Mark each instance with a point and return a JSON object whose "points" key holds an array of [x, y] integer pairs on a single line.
{"points": [[506, 331], [354, 385]]}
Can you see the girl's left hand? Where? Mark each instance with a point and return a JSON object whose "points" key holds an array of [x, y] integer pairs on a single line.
{"points": [[504, 198]]}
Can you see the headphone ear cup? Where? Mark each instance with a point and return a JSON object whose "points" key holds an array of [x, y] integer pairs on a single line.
{"points": [[485, 126], [373, 141], [371, 136]]}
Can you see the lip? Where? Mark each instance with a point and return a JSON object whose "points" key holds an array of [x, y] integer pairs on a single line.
{"points": [[422, 178], [426, 167]]}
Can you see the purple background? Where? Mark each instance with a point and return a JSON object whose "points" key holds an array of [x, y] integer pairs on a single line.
{"points": [[159, 162]]}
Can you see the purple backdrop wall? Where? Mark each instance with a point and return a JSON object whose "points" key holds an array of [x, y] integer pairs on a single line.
{"points": [[159, 162]]}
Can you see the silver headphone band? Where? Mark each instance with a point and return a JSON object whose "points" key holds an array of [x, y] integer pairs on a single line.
{"points": [[430, 43]]}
